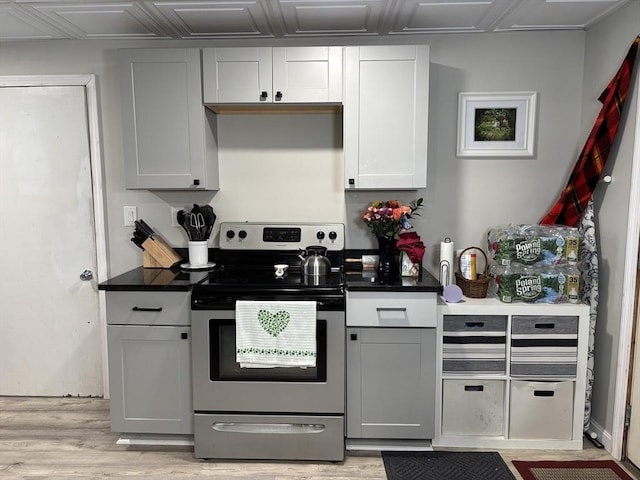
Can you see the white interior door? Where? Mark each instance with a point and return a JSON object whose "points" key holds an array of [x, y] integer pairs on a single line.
{"points": [[50, 332]]}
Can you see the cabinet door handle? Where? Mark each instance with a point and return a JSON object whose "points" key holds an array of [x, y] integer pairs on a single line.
{"points": [[543, 393], [184, 336], [545, 325], [354, 336], [474, 388], [352, 181], [474, 324], [144, 309], [278, 95], [196, 181], [391, 309], [263, 95]]}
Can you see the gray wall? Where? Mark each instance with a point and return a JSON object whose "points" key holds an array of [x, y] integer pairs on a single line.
{"points": [[463, 197], [606, 47]]}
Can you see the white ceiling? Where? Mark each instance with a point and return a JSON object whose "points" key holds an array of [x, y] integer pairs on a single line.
{"points": [[216, 19]]}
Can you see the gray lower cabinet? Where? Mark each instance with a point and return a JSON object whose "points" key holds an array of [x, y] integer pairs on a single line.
{"points": [[391, 375], [169, 137], [149, 348]]}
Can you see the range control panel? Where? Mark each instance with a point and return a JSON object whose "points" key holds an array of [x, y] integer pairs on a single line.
{"points": [[280, 236]]}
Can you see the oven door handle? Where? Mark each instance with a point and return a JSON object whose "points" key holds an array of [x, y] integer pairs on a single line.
{"points": [[269, 428]]}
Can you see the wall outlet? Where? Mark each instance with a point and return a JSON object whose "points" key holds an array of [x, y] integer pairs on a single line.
{"points": [[130, 216], [174, 216]]}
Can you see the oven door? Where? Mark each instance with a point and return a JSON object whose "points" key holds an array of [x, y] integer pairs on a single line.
{"points": [[220, 385]]}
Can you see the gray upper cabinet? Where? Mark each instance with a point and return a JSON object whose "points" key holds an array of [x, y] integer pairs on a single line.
{"points": [[169, 137], [266, 75], [385, 117]]}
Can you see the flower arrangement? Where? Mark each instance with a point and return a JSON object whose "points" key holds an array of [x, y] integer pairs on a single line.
{"points": [[389, 219]]}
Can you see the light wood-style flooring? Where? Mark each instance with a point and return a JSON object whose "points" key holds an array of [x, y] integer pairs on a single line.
{"points": [[52, 438]]}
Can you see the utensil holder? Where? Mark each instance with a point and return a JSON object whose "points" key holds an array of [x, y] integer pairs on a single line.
{"points": [[473, 288], [198, 253]]}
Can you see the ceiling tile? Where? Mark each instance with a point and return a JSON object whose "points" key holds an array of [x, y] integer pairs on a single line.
{"points": [[557, 14], [332, 17], [101, 20], [214, 19], [16, 24], [452, 16]]}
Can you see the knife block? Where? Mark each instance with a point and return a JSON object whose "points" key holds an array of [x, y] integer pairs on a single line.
{"points": [[157, 254]]}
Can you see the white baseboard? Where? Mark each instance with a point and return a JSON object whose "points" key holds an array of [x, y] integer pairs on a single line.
{"points": [[388, 445], [133, 439], [603, 436]]}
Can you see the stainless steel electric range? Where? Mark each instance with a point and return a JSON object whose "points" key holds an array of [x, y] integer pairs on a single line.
{"points": [[269, 412]]}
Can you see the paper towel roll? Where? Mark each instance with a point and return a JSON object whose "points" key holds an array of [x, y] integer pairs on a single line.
{"points": [[447, 268]]}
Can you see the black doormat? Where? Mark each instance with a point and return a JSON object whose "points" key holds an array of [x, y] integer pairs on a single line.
{"points": [[445, 466]]}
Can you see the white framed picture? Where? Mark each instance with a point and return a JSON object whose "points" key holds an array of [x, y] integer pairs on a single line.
{"points": [[499, 124]]}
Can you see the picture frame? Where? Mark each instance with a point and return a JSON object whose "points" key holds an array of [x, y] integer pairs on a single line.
{"points": [[499, 124]]}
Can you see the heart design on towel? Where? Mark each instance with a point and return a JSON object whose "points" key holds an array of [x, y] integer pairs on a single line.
{"points": [[273, 323]]}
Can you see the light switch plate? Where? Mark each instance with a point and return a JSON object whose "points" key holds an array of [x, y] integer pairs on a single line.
{"points": [[174, 216], [130, 216]]}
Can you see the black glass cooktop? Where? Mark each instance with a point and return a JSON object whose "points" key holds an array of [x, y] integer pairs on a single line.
{"points": [[266, 279]]}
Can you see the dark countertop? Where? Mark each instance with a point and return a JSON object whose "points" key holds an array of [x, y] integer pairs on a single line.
{"points": [[174, 279], [367, 281], [154, 280]]}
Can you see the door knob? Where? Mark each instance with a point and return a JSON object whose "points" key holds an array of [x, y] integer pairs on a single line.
{"points": [[86, 275]]}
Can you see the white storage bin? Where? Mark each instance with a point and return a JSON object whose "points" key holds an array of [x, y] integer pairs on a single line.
{"points": [[473, 407], [541, 410]]}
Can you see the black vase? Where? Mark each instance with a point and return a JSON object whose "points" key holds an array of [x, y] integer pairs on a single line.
{"points": [[388, 263]]}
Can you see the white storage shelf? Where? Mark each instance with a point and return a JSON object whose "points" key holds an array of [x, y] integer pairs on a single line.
{"points": [[511, 375]]}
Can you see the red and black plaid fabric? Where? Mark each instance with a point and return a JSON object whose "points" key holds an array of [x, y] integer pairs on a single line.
{"points": [[592, 159]]}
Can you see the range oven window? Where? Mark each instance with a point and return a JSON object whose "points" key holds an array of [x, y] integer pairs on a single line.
{"points": [[223, 365]]}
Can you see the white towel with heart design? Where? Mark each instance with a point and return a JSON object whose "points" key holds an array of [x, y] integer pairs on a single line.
{"points": [[275, 334]]}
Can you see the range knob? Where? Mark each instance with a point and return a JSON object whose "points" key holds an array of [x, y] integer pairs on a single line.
{"points": [[333, 235], [320, 235], [242, 234], [230, 234]]}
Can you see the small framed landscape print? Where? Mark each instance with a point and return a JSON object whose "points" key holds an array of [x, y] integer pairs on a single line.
{"points": [[498, 124]]}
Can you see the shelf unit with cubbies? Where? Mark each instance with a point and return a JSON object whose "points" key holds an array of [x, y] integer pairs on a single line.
{"points": [[511, 375]]}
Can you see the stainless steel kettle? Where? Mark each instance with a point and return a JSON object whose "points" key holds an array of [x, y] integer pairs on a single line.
{"points": [[315, 261]]}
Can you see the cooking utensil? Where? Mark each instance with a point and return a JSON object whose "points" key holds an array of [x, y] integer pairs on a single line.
{"points": [[183, 221], [314, 261], [191, 233], [139, 238], [209, 218], [180, 218], [145, 228], [198, 226]]}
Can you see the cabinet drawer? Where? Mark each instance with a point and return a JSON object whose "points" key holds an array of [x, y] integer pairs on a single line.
{"points": [[544, 325], [476, 324], [544, 346], [474, 344], [541, 410], [147, 308], [473, 407], [391, 309]]}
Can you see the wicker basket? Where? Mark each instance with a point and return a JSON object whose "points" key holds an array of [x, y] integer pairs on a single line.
{"points": [[473, 288]]}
